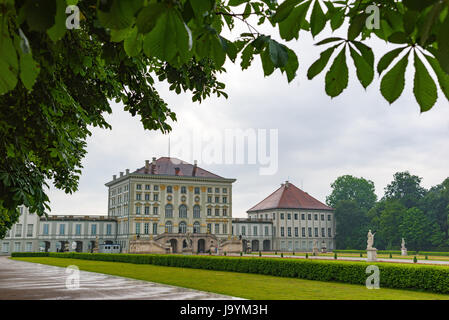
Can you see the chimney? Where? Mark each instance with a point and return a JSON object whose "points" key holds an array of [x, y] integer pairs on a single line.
{"points": [[176, 170], [114, 176], [121, 173], [147, 164], [286, 184], [127, 171], [153, 165], [195, 165]]}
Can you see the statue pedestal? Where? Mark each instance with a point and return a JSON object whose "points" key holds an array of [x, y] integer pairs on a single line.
{"points": [[315, 251], [372, 254], [187, 251], [404, 252]]}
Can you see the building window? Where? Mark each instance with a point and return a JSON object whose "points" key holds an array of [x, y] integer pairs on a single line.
{"points": [[217, 212], [323, 232], [18, 230], [217, 190], [196, 227], [138, 196], [147, 197], [289, 231], [282, 231], [225, 212], [315, 217], [296, 216], [108, 229], [29, 230], [255, 231], [266, 230], [303, 232], [225, 199], [28, 246], [139, 187], [146, 228], [17, 247], [329, 232], [322, 217], [310, 231], [309, 217], [209, 199], [289, 216], [182, 211], [156, 188], [147, 210], [137, 209], [169, 211], [197, 190], [209, 190], [147, 187], [137, 227], [94, 230], [5, 247], [182, 227], [217, 228], [243, 230], [225, 190], [62, 229], [209, 228], [155, 197], [155, 228], [209, 211], [282, 216], [328, 217], [296, 232], [196, 211], [274, 216], [303, 216], [155, 211], [168, 227], [169, 189], [183, 189], [225, 228], [217, 199], [46, 229], [316, 232], [78, 229]]}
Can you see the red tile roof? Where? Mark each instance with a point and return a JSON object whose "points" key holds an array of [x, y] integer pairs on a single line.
{"points": [[288, 196], [175, 167]]}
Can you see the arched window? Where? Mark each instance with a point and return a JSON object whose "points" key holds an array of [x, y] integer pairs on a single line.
{"points": [[196, 211], [182, 227], [169, 211], [183, 211], [196, 227], [168, 227]]}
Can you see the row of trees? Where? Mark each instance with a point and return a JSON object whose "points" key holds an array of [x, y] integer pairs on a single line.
{"points": [[406, 210]]}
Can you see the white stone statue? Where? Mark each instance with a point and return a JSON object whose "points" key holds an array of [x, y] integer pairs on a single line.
{"points": [[403, 244], [370, 240], [403, 248]]}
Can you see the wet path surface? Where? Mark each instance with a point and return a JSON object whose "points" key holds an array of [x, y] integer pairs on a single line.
{"points": [[27, 280]]}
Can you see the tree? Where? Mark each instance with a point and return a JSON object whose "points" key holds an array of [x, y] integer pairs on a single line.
{"points": [[55, 83], [406, 188], [418, 230], [348, 187], [436, 206], [351, 225]]}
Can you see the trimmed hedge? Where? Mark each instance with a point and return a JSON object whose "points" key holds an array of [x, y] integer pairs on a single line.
{"points": [[399, 276]]}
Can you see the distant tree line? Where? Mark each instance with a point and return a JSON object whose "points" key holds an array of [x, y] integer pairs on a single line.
{"points": [[407, 210]]}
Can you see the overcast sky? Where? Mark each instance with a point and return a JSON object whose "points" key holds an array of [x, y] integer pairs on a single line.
{"points": [[319, 139]]}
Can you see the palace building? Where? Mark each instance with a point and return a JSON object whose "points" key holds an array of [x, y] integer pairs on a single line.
{"points": [[171, 206]]}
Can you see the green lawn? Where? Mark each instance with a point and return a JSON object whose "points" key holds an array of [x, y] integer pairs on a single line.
{"points": [[249, 286]]}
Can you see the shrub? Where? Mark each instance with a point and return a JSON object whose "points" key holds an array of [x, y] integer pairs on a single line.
{"points": [[361, 255], [241, 253], [394, 275], [335, 256], [224, 253], [415, 260], [293, 252], [427, 257], [391, 256], [276, 253], [282, 254], [307, 255], [260, 254]]}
